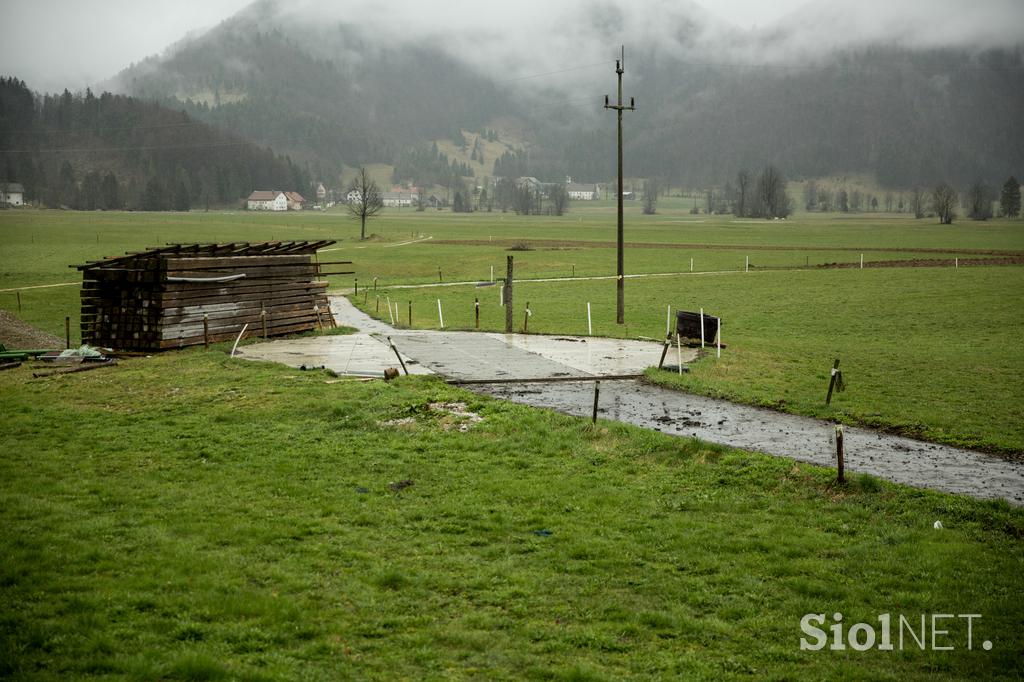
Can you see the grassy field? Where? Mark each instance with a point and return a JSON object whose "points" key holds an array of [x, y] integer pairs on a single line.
{"points": [[931, 352], [193, 517]]}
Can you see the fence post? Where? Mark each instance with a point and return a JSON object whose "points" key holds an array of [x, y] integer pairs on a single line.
{"points": [[840, 456], [508, 295], [832, 382]]}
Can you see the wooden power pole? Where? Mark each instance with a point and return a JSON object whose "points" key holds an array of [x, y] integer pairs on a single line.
{"points": [[620, 307]]}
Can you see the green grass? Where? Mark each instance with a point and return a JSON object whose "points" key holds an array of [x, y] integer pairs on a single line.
{"points": [[191, 517], [930, 352]]}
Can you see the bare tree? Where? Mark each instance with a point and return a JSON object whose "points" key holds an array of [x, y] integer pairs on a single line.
{"points": [[559, 197], [943, 202], [771, 198], [650, 197], [810, 195], [742, 207], [917, 200], [366, 200], [979, 201]]}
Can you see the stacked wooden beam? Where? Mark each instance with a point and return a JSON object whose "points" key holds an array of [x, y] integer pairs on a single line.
{"points": [[184, 295]]}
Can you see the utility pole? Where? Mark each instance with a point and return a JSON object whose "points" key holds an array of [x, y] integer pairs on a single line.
{"points": [[620, 308]]}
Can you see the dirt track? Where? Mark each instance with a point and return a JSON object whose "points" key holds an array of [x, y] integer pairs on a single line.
{"points": [[15, 334]]}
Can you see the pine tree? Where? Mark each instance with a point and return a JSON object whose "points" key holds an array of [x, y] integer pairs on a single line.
{"points": [[1009, 198]]}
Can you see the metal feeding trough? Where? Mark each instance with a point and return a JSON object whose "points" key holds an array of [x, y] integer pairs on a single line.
{"points": [[688, 326]]}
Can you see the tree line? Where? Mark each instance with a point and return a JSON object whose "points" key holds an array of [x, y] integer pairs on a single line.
{"points": [[83, 151]]}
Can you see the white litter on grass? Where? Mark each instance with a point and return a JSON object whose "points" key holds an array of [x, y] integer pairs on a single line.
{"points": [[454, 416], [404, 421], [464, 418], [937, 525]]}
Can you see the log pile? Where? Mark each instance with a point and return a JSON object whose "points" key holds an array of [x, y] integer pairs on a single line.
{"points": [[185, 295]]}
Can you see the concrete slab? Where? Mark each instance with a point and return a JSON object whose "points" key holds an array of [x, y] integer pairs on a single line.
{"points": [[358, 354], [596, 355], [469, 355]]}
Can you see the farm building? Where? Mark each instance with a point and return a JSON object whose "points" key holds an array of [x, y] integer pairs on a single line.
{"points": [[583, 192], [11, 194], [275, 200], [262, 200], [400, 197], [184, 295]]}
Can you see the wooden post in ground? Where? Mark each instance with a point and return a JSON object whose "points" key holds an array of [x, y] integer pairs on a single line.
{"points": [[679, 353], [206, 331], [476, 306], [508, 296], [67, 331], [399, 356], [526, 319], [410, 314], [597, 393], [832, 382], [840, 456], [357, 286], [18, 294]]}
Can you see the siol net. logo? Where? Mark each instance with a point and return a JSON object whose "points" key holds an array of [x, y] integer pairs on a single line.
{"points": [[935, 632]]}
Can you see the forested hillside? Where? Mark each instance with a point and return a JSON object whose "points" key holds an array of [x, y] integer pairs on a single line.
{"points": [[115, 151], [330, 97], [333, 94]]}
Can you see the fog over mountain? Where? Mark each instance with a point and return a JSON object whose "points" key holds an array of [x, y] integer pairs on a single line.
{"points": [[912, 92]]}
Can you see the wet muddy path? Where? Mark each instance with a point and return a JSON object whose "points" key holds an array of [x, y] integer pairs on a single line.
{"points": [[897, 459]]}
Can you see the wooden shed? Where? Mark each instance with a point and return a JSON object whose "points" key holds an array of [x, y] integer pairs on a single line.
{"points": [[184, 295]]}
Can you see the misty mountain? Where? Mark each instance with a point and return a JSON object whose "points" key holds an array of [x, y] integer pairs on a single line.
{"points": [[329, 97], [710, 99]]}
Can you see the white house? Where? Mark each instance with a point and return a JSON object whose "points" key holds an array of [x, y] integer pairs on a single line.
{"points": [[400, 197], [321, 192], [583, 192], [263, 200], [354, 196], [11, 194]]}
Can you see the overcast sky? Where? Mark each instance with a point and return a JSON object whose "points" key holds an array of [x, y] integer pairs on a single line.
{"points": [[53, 44]]}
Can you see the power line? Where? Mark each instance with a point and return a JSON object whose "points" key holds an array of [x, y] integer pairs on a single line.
{"points": [[555, 73]]}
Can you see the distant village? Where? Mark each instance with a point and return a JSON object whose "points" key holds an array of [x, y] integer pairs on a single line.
{"points": [[400, 197]]}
